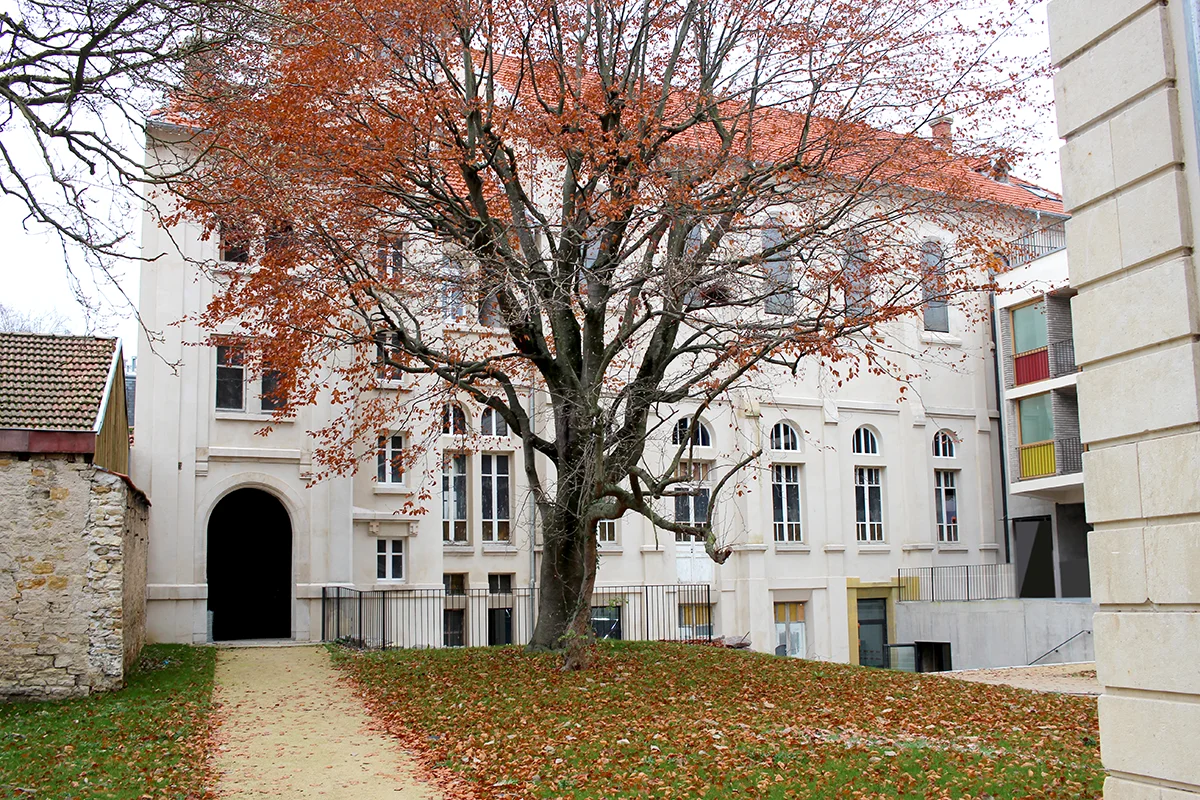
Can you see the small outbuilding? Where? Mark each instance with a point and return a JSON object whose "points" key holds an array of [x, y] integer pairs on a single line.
{"points": [[73, 527]]}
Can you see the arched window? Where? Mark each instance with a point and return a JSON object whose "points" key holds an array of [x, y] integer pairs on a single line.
{"points": [[492, 424], [700, 435], [453, 419], [784, 437], [865, 442], [943, 444]]}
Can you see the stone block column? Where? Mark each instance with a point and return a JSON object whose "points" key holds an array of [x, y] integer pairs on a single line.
{"points": [[1125, 97]]}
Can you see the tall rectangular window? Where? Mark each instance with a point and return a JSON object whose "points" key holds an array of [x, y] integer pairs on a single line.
{"points": [[389, 559], [606, 531], [868, 503], [691, 505], [234, 244], [387, 353], [777, 270], [1036, 419], [390, 257], [231, 378], [494, 480], [454, 499], [273, 396], [933, 276], [785, 502], [945, 502], [695, 621], [389, 465]]}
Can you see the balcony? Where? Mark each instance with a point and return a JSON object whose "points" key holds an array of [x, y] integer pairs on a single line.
{"points": [[1037, 244], [1053, 361], [1062, 456]]}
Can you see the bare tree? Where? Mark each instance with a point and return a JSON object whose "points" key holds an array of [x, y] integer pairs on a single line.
{"points": [[14, 320], [624, 206]]}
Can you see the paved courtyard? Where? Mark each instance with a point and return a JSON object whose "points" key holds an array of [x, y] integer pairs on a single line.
{"points": [[1062, 678], [288, 727]]}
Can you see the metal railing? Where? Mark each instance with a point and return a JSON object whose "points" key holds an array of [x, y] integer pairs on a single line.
{"points": [[475, 618], [1062, 358], [1037, 244], [1063, 456], [958, 582]]}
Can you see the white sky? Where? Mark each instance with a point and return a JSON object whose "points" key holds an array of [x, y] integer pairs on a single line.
{"points": [[34, 278]]}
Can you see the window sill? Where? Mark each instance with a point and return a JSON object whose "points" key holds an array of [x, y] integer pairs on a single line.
{"points": [[924, 546], [780, 547], [990, 546], [499, 549], [834, 548], [611, 550], [392, 385], [937, 337], [250, 416], [952, 548], [384, 585], [460, 549], [385, 488], [651, 548], [873, 549]]}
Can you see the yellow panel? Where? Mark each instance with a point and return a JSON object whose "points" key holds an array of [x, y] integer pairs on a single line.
{"points": [[1037, 460]]}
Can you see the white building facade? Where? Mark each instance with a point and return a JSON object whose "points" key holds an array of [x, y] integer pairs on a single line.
{"points": [[856, 481]]}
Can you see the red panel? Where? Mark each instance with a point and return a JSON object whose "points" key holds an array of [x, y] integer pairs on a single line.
{"points": [[1032, 367]]}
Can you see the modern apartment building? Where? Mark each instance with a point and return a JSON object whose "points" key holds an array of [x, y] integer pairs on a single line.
{"points": [[856, 481], [1041, 418]]}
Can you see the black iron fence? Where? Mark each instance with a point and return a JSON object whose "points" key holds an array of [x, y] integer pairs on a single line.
{"points": [[478, 617], [959, 582]]}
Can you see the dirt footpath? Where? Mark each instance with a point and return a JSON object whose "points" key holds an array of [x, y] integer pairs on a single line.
{"points": [[288, 728], [1062, 678]]}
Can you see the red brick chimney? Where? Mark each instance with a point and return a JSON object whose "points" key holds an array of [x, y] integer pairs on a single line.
{"points": [[943, 129]]}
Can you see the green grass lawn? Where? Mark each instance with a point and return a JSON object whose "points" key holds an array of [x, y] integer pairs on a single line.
{"points": [[660, 720], [147, 740]]}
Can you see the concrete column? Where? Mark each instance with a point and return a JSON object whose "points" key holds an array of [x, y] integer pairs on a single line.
{"points": [[1125, 98]]}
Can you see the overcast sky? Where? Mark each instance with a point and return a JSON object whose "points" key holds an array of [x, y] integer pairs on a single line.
{"points": [[34, 278]]}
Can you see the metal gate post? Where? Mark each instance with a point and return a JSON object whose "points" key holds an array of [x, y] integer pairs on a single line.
{"points": [[324, 612], [360, 635]]}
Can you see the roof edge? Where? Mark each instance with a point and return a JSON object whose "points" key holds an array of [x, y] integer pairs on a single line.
{"points": [[106, 398], [34, 440]]}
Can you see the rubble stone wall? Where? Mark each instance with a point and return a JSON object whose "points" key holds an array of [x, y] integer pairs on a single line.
{"points": [[72, 577]]}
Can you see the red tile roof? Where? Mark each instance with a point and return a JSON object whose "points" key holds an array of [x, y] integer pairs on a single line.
{"points": [[53, 382]]}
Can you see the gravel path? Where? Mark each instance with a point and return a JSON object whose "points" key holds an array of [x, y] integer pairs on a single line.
{"points": [[1062, 678], [289, 728]]}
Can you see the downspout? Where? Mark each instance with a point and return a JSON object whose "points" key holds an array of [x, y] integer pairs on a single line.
{"points": [[532, 519], [1003, 444]]}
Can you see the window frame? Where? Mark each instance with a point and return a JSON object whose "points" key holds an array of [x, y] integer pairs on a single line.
{"points": [[235, 363], [939, 306], [866, 529], [496, 420], [389, 552], [860, 440], [232, 240], [391, 256], [780, 443], [858, 291], [683, 429], [789, 626], [778, 275], [495, 486], [611, 539], [945, 444], [386, 455], [943, 502], [1021, 424], [786, 529], [449, 589], [698, 473], [454, 420], [1012, 325], [451, 481]]}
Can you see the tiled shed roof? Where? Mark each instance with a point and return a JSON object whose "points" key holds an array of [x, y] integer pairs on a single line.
{"points": [[53, 382]]}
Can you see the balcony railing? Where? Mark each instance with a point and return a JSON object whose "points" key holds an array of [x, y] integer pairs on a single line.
{"points": [[1037, 244], [1063, 456], [958, 582], [1053, 361]]}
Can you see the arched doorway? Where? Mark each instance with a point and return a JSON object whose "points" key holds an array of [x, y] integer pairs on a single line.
{"points": [[250, 567]]}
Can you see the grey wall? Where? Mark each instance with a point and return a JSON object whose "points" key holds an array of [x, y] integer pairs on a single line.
{"points": [[1000, 633]]}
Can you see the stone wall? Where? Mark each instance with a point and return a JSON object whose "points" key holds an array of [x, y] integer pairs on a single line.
{"points": [[72, 577], [1126, 95]]}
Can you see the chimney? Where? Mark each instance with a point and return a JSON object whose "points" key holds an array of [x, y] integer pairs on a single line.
{"points": [[943, 129]]}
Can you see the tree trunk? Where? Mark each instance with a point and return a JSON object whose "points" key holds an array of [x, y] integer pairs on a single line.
{"points": [[566, 578]]}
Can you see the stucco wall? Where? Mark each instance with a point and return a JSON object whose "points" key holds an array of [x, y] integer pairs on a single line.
{"points": [[64, 527], [1000, 633]]}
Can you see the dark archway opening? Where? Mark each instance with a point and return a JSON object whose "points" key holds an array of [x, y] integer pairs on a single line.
{"points": [[250, 567]]}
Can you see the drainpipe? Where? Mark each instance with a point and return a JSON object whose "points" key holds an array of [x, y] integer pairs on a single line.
{"points": [[1003, 443], [532, 518]]}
